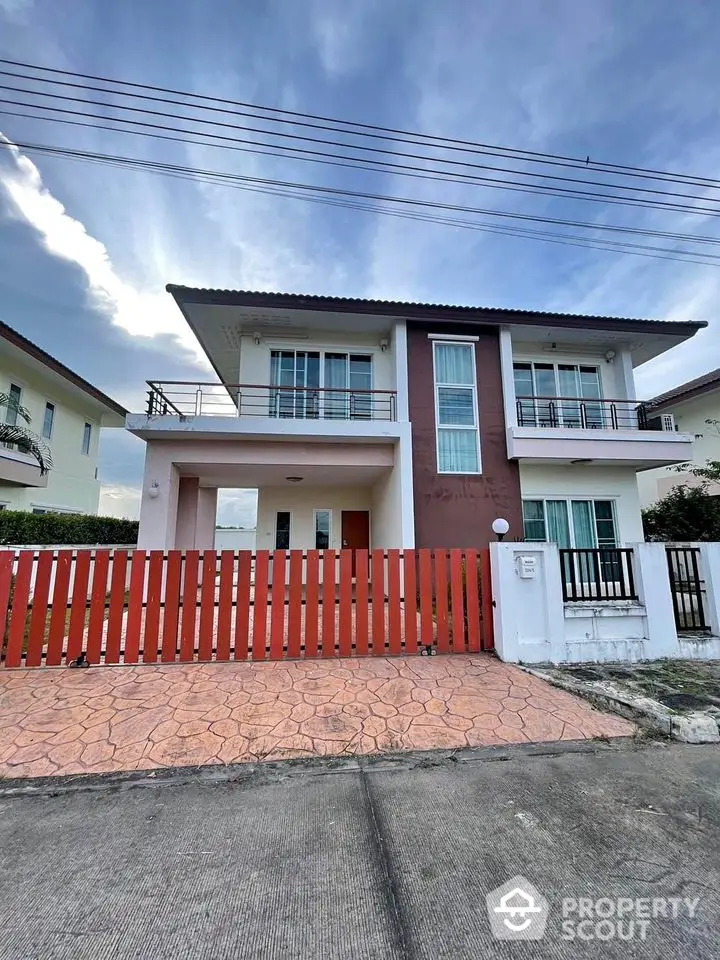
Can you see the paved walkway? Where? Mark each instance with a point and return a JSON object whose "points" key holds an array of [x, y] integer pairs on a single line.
{"points": [[62, 721]]}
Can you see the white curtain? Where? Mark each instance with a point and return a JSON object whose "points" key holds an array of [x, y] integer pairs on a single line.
{"points": [[457, 451], [453, 363]]}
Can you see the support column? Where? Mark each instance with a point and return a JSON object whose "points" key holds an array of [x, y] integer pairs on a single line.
{"points": [[206, 518], [401, 370], [158, 501], [653, 587], [508, 377], [187, 511]]}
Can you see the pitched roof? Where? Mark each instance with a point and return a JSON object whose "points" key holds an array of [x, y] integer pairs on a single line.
{"points": [[427, 311], [42, 356], [693, 388]]}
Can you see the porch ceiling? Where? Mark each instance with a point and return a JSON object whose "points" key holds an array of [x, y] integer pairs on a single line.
{"points": [[275, 475]]}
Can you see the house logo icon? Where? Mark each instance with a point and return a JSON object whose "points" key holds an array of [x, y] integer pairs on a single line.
{"points": [[517, 911]]}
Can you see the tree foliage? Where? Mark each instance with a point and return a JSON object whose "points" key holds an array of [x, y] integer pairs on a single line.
{"points": [[25, 440], [685, 514]]}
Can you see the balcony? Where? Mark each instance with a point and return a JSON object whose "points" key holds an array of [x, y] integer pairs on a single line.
{"points": [[574, 430], [19, 469], [265, 411]]}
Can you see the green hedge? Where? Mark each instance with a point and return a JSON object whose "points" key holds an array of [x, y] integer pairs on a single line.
{"points": [[19, 527]]}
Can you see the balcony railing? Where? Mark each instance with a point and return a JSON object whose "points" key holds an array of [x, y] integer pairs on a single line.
{"points": [[186, 398], [603, 574], [584, 414]]}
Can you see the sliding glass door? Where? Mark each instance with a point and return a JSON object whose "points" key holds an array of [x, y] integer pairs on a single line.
{"points": [[299, 371], [556, 395], [334, 386]]}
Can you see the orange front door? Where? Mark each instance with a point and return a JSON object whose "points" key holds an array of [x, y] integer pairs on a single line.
{"points": [[355, 531]]}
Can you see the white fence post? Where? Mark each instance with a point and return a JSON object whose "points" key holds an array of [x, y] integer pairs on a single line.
{"points": [[654, 592], [710, 573]]}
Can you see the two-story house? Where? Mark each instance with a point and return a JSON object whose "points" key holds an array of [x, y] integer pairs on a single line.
{"points": [[67, 413], [693, 407], [374, 423]]}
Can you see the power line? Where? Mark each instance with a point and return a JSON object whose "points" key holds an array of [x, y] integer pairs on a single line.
{"points": [[468, 179], [450, 143]]}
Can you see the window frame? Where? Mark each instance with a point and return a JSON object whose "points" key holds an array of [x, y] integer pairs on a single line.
{"points": [[49, 436], [571, 526], [302, 395], [470, 344], [290, 530], [329, 512], [10, 408], [87, 427], [555, 363]]}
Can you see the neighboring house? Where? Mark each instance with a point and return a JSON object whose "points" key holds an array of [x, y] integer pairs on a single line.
{"points": [[371, 423], [67, 413], [687, 408]]}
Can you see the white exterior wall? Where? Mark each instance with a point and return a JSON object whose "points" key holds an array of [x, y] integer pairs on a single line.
{"points": [[302, 503], [690, 417], [588, 482], [72, 485], [234, 538]]}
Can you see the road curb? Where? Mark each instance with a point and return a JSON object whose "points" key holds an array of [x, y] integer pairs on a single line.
{"points": [[648, 713]]}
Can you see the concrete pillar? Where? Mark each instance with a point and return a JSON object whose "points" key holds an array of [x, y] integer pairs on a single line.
{"points": [[508, 377], [158, 501], [206, 518], [404, 466], [187, 511], [652, 582], [401, 370], [710, 572]]}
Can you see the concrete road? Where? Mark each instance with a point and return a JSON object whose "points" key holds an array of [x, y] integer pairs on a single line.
{"points": [[390, 859]]}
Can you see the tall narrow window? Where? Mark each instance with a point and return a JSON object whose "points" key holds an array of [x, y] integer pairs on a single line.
{"points": [[282, 530], [87, 435], [322, 529], [48, 420], [458, 446], [13, 406]]}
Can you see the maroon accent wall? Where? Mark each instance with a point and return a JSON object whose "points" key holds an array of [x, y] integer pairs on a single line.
{"points": [[458, 511]]}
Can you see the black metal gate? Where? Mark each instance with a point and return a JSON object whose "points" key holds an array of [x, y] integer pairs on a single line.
{"points": [[686, 587]]}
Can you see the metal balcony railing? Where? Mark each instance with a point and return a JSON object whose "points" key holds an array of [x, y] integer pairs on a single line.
{"points": [[584, 414], [186, 398], [601, 574]]}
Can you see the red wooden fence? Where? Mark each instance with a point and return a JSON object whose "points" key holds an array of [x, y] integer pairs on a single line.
{"points": [[135, 606]]}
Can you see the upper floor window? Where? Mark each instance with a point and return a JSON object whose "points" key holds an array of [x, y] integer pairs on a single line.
{"points": [[327, 384], [456, 410], [547, 395], [48, 420], [87, 436], [13, 405], [570, 523]]}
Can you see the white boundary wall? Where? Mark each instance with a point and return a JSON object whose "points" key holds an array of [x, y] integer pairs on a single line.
{"points": [[534, 625]]}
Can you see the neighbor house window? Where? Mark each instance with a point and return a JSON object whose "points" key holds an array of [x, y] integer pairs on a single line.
{"points": [[547, 395], [322, 529], [282, 530], [570, 523], [87, 434], [48, 420], [458, 442], [13, 406]]}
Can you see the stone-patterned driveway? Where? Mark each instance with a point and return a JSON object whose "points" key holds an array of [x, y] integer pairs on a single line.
{"points": [[62, 721]]}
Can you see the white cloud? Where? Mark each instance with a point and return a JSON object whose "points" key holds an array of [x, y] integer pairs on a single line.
{"points": [[16, 9], [119, 501]]}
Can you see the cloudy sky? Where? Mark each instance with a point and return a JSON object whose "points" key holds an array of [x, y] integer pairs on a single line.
{"points": [[86, 250]]}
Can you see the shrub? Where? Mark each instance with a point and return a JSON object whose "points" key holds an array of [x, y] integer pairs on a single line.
{"points": [[20, 527], [685, 514]]}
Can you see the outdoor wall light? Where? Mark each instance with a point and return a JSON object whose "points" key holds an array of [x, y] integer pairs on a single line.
{"points": [[384, 344], [500, 527], [154, 491], [610, 356], [294, 479]]}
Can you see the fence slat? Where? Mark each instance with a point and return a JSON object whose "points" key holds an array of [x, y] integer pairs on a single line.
{"points": [[259, 626], [277, 606], [427, 626], [312, 607], [486, 599], [328, 604], [133, 626], [345, 637], [116, 607], [7, 561], [225, 603], [207, 606], [294, 629], [394, 630], [472, 600], [171, 607], [457, 605], [59, 611], [188, 616], [151, 633], [79, 605], [98, 597], [242, 606], [377, 563], [18, 614], [39, 614], [441, 601], [362, 604], [410, 601]]}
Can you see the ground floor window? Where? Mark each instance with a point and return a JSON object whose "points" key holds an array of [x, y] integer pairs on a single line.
{"points": [[322, 529], [282, 530], [570, 523]]}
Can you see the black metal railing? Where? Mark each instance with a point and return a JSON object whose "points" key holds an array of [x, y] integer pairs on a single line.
{"points": [[687, 589], [602, 574], [193, 399], [582, 413]]}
